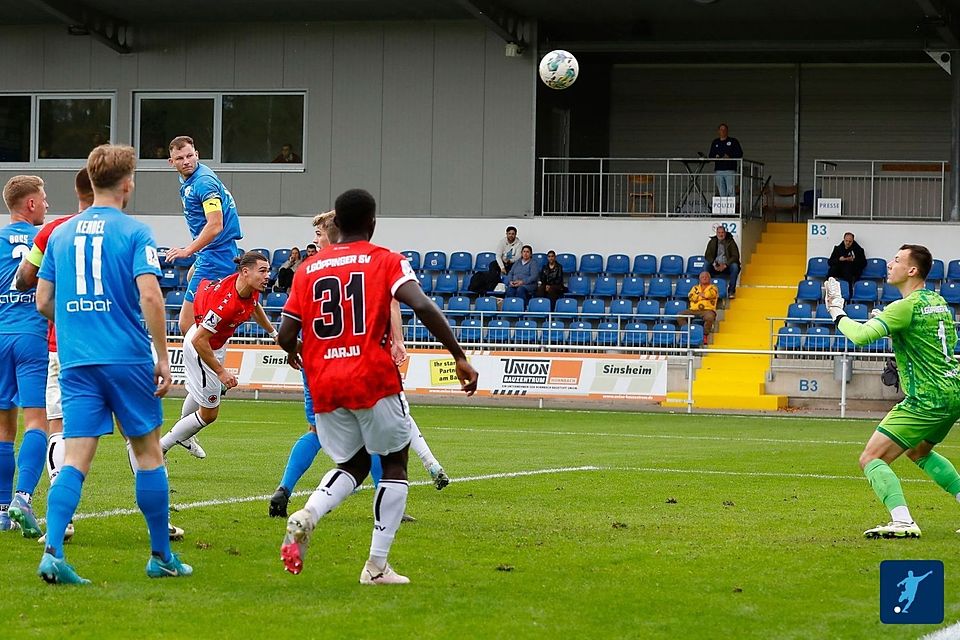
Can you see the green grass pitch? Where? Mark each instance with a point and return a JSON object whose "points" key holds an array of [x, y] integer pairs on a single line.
{"points": [[636, 525]]}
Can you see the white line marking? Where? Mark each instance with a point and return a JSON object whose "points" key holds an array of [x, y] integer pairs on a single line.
{"points": [[748, 474], [947, 633]]}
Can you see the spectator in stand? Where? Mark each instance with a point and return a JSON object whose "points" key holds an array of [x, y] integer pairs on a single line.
{"points": [[311, 250], [522, 279], [703, 304], [725, 171], [551, 280], [508, 251], [287, 155], [847, 260], [286, 271], [723, 259]]}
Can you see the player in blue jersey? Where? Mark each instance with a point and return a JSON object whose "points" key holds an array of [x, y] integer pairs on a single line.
{"points": [[98, 274], [23, 368], [213, 221]]}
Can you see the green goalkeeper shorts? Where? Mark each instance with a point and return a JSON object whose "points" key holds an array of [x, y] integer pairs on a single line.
{"points": [[909, 426]]}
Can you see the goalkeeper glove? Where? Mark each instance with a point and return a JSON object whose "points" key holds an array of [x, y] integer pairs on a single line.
{"points": [[833, 298]]}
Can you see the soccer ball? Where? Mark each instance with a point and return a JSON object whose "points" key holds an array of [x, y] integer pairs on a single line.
{"points": [[559, 69]]}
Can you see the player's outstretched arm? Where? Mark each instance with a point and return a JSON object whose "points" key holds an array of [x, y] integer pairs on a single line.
{"points": [[412, 295], [207, 235], [260, 317], [151, 303], [45, 298]]}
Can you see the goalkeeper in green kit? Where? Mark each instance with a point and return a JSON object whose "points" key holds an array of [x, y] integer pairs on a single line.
{"points": [[923, 334]]}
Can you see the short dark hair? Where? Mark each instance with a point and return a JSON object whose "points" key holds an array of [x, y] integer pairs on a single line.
{"points": [[181, 141], [722, 124], [921, 258], [526, 246], [82, 184], [849, 233], [311, 246], [511, 228], [249, 259], [355, 209], [553, 252]]}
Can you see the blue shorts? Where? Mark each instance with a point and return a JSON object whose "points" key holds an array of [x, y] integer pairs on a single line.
{"points": [[23, 371], [212, 264], [308, 401], [92, 395]]}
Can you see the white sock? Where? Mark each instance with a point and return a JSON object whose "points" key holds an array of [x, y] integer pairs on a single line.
{"points": [[55, 453], [189, 406], [389, 502], [901, 514], [419, 445], [132, 459], [187, 427], [957, 497], [333, 489]]}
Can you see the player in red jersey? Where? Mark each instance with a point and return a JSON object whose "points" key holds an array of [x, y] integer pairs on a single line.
{"points": [[341, 298], [220, 307]]}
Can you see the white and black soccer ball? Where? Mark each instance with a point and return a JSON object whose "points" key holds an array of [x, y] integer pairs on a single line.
{"points": [[559, 69]]}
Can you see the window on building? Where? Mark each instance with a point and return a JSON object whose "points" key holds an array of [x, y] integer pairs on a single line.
{"points": [[164, 118], [54, 129], [14, 128]]}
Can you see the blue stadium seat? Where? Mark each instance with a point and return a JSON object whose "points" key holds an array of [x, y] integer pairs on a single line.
{"points": [[266, 252], [858, 312], [578, 287], [251, 329], [664, 334], [632, 287], [817, 267], [660, 288], [414, 331], [876, 269], [809, 290], [173, 301], [437, 300], [483, 260], [621, 309], [405, 310], [413, 257], [822, 316], [279, 257], [721, 284], [169, 279], [464, 289], [538, 308], [644, 265], [580, 333], [591, 263], [890, 293], [568, 262], [426, 282], [930, 285], [844, 289], [818, 338], [553, 332], [162, 253], [458, 307], [469, 330], [683, 288], [512, 307], [608, 334], [605, 287], [951, 292], [799, 314], [593, 309], [788, 338], [567, 307], [273, 302], [498, 331], [693, 333], [434, 261], [695, 264], [674, 308], [936, 271], [486, 307], [648, 310], [186, 263], [618, 264], [671, 265], [636, 334], [540, 257], [446, 284], [461, 261], [864, 291], [526, 332], [953, 270]]}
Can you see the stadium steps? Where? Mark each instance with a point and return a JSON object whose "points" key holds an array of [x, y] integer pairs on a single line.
{"points": [[767, 286]]}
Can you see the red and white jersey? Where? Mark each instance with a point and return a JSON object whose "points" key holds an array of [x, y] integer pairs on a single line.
{"points": [[219, 309], [342, 298], [35, 257]]}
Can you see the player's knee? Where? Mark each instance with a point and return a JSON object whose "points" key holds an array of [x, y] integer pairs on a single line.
{"points": [[866, 458]]}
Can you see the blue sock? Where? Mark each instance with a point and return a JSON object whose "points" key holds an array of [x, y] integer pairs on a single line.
{"points": [[302, 455], [31, 460], [8, 466], [376, 470], [153, 498], [61, 505]]}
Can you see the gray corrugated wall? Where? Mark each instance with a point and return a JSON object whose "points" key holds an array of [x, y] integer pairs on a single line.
{"points": [[430, 116]]}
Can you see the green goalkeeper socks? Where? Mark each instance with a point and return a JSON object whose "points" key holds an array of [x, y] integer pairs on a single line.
{"points": [[941, 471], [885, 484]]}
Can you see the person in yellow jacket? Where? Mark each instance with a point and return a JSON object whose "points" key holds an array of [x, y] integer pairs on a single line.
{"points": [[703, 303]]}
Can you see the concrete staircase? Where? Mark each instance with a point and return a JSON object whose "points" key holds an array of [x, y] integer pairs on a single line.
{"points": [[768, 284]]}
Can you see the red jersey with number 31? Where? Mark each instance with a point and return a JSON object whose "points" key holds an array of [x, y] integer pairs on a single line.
{"points": [[342, 298], [219, 309]]}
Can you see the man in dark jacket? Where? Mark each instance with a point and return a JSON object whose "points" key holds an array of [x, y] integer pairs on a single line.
{"points": [[723, 259], [847, 260]]}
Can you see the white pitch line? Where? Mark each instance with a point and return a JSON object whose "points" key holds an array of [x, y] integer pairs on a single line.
{"points": [[224, 501], [947, 633], [749, 474]]}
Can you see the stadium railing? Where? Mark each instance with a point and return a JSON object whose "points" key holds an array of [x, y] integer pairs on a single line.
{"points": [[883, 189]]}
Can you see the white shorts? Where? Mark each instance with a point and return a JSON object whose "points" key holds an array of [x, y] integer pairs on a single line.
{"points": [[54, 409], [202, 383], [383, 428]]}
